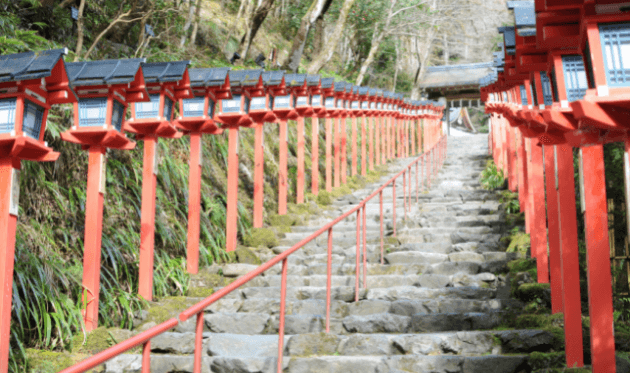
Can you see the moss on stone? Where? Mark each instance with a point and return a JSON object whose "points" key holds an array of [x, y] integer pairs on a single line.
{"points": [[341, 191], [41, 361], [521, 265], [324, 198], [210, 280], [287, 220], [200, 292], [167, 308], [258, 237], [542, 360], [519, 243], [530, 292], [247, 256]]}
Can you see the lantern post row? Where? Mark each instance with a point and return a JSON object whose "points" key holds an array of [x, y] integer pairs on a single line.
{"points": [[211, 100]]}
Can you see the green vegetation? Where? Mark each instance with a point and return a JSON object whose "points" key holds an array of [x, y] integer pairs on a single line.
{"points": [[491, 178]]}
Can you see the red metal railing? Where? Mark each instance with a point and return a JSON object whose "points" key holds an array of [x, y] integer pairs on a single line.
{"points": [[433, 159]]}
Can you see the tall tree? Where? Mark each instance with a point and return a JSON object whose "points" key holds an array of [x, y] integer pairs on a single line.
{"points": [[256, 19], [331, 44], [77, 50], [316, 11]]}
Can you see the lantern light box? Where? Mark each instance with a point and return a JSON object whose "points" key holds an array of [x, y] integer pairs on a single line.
{"points": [[197, 114]]}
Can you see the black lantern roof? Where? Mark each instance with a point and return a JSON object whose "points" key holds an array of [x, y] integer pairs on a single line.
{"points": [[364, 91], [313, 80], [160, 72], [340, 86], [509, 36], [372, 92], [106, 72], [272, 78], [380, 93], [327, 83], [295, 80], [244, 78], [398, 96], [208, 77], [524, 17], [29, 65]]}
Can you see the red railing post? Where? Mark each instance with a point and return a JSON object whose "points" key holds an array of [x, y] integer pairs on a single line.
{"points": [[404, 187], [146, 357], [315, 156], [377, 139], [567, 227], [416, 181], [198, 343], [329, 278], [358, 257], [283, 303], [147, 219], [598, 259], [380, 202]]}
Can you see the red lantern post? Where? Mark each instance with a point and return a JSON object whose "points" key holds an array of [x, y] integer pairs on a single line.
{"points": [[197, 117], [328, 94], [166, 83], [302, 104], [105, 89], [314, 84], [30, 84]]}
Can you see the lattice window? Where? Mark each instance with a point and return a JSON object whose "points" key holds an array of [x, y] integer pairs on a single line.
{"points": [[282, 102], [118, 114], [168, 108], [146, 110], [231, 106], [615, 39], [574, 77], [92, 111], [316, 100], [258, 103], [7, 115], [546, 89], [193, 107], [32, 120], [523, 95]]}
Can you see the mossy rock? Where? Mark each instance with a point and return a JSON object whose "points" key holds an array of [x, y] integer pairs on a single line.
{"points": [[42, 361], [209, 281], [530, 292], [258, 237], [519, 243], [341, 191], [324, 198], [99, 339], [287, 220], [167, 308], [247, 256], [200, 292], [521, 265], [542, 360]]}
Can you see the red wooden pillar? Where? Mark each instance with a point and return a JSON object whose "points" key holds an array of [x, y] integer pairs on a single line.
{"points": [[598, 259], [344, 150], [412, 128], [371, 135], [299, 198], [9, 171], [354, 145], [93, 234], [282, 167], [513, 175], [315, 156], [364, 123], [570, 265], [554, 233], [147, 220], [528, 194], [521, 167], [538, 227], [259, 175], [232, 191], [378, 139], [194, 203], [337, 152], [329, 137]]}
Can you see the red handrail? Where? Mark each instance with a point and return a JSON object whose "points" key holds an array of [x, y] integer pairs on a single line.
{"points": [[198, 309]]}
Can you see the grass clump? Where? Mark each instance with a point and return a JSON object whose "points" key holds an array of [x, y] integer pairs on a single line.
{"points": [[324, 198], [42, 361], [547, 360], [491, 177], [531, 292], [247, 256], [258, 237], [286, 220]]}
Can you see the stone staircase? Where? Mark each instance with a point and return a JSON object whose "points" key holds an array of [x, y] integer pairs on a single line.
{"points": [[434, 306]]}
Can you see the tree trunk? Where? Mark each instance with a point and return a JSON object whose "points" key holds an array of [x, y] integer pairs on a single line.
{"points": [[445, 43], [395, 68], [77, 51], [254, 23], [318, 7], [329, 49], [318, 42], [193, 37], [376, 42], [191, 11]]}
